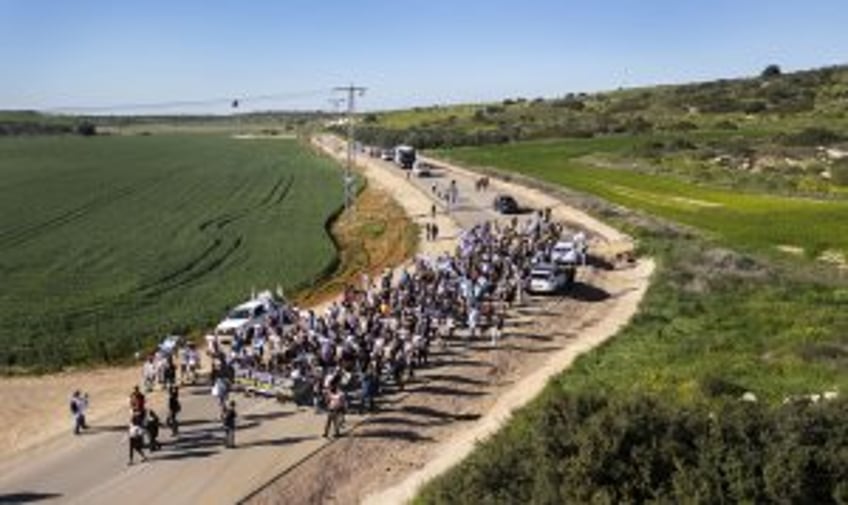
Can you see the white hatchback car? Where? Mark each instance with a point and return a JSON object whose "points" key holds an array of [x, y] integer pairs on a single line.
{"points": [[565, 253], [422, 169], [546, 278], [247, 314]]}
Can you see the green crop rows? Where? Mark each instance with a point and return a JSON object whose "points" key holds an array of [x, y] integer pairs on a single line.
{"points": [[107, 243]]}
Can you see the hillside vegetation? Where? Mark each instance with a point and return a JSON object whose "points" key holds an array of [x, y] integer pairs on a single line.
{"points": [[753, 220], [109, 243], [771, 103], [729, 384], [765, 133]]}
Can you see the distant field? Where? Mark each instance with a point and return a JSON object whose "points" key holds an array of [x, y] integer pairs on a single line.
{"points": [[752, 221], [107, 243]]}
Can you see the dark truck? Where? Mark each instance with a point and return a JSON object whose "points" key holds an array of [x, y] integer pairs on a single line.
{"points": [[405, 157]]}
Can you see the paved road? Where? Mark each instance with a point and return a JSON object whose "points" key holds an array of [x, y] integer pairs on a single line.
{"points": [[194, 468]]}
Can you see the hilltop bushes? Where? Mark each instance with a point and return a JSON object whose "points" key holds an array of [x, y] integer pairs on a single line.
{"points": [[747, 105], [10, 128], [596, 449]]}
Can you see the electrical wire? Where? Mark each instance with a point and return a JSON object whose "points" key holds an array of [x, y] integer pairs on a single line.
{"points": [[234, 102]]}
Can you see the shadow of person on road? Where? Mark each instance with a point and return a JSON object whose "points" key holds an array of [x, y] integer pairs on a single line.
{"points": [[27, 497], [408, 435], [177, 456], [275, 442]]}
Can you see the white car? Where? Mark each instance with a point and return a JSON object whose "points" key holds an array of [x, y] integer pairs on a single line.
{"points": [[565, 253], [546, 278], [246, 315], [422, 169]]}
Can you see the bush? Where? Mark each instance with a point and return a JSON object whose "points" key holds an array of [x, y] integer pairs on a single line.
{"points": [[86, 129], [754, 107], [726, 125], [771, 72], [590, 448], [839, 172], [811, 137]]}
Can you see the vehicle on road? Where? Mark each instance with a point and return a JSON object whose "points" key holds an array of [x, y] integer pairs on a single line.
{"points": [[422, 169], [405, 157], [169, 344], [506, 204], [388, 155], [248, 314], [548, 278], [565, 252]]}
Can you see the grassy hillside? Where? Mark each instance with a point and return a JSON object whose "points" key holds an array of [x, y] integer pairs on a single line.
{"points": [[765, 133], [106, 243], [749, 220], [771, 103]]}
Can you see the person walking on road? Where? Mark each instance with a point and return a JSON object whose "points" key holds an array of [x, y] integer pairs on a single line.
{"points": [[136, 440], [137, 406], [78, 404], [335, 411], [228, 418], [152, 427], [497, 329], [174, 408]]}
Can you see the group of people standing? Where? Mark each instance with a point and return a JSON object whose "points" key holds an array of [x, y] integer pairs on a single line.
{"points": [[145, 422]]}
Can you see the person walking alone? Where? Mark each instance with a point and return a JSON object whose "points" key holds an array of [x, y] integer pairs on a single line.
{"points": [[228, 419], [78, 404], [174, 408], [136, 441], [335, 411]]}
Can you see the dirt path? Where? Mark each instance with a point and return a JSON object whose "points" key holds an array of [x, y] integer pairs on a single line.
{"points": [[472, 389]]}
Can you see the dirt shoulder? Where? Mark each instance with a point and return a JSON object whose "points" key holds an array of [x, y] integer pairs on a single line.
{"points": [[470, 390]]}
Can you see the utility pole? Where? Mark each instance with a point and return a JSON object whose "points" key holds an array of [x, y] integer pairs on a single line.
{"points": [[351, 91]]}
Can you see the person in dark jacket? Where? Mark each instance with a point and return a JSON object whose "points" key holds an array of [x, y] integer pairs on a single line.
{"points": [[228, 418], [152, 427], [174, 408], [136, 440]]}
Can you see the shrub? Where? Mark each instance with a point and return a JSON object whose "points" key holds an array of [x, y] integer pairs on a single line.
{"points": [[86, 129], [839, 172], [812, 136], [771, 71], [589, 448], [726, 124]]}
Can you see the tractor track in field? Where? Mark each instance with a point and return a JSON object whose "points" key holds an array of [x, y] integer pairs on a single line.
{"points": [[19, 236], [26, 232], [195, 274]]}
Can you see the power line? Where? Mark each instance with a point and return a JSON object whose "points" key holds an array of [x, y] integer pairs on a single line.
{"points": [[352, 91], [222, 101]]}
